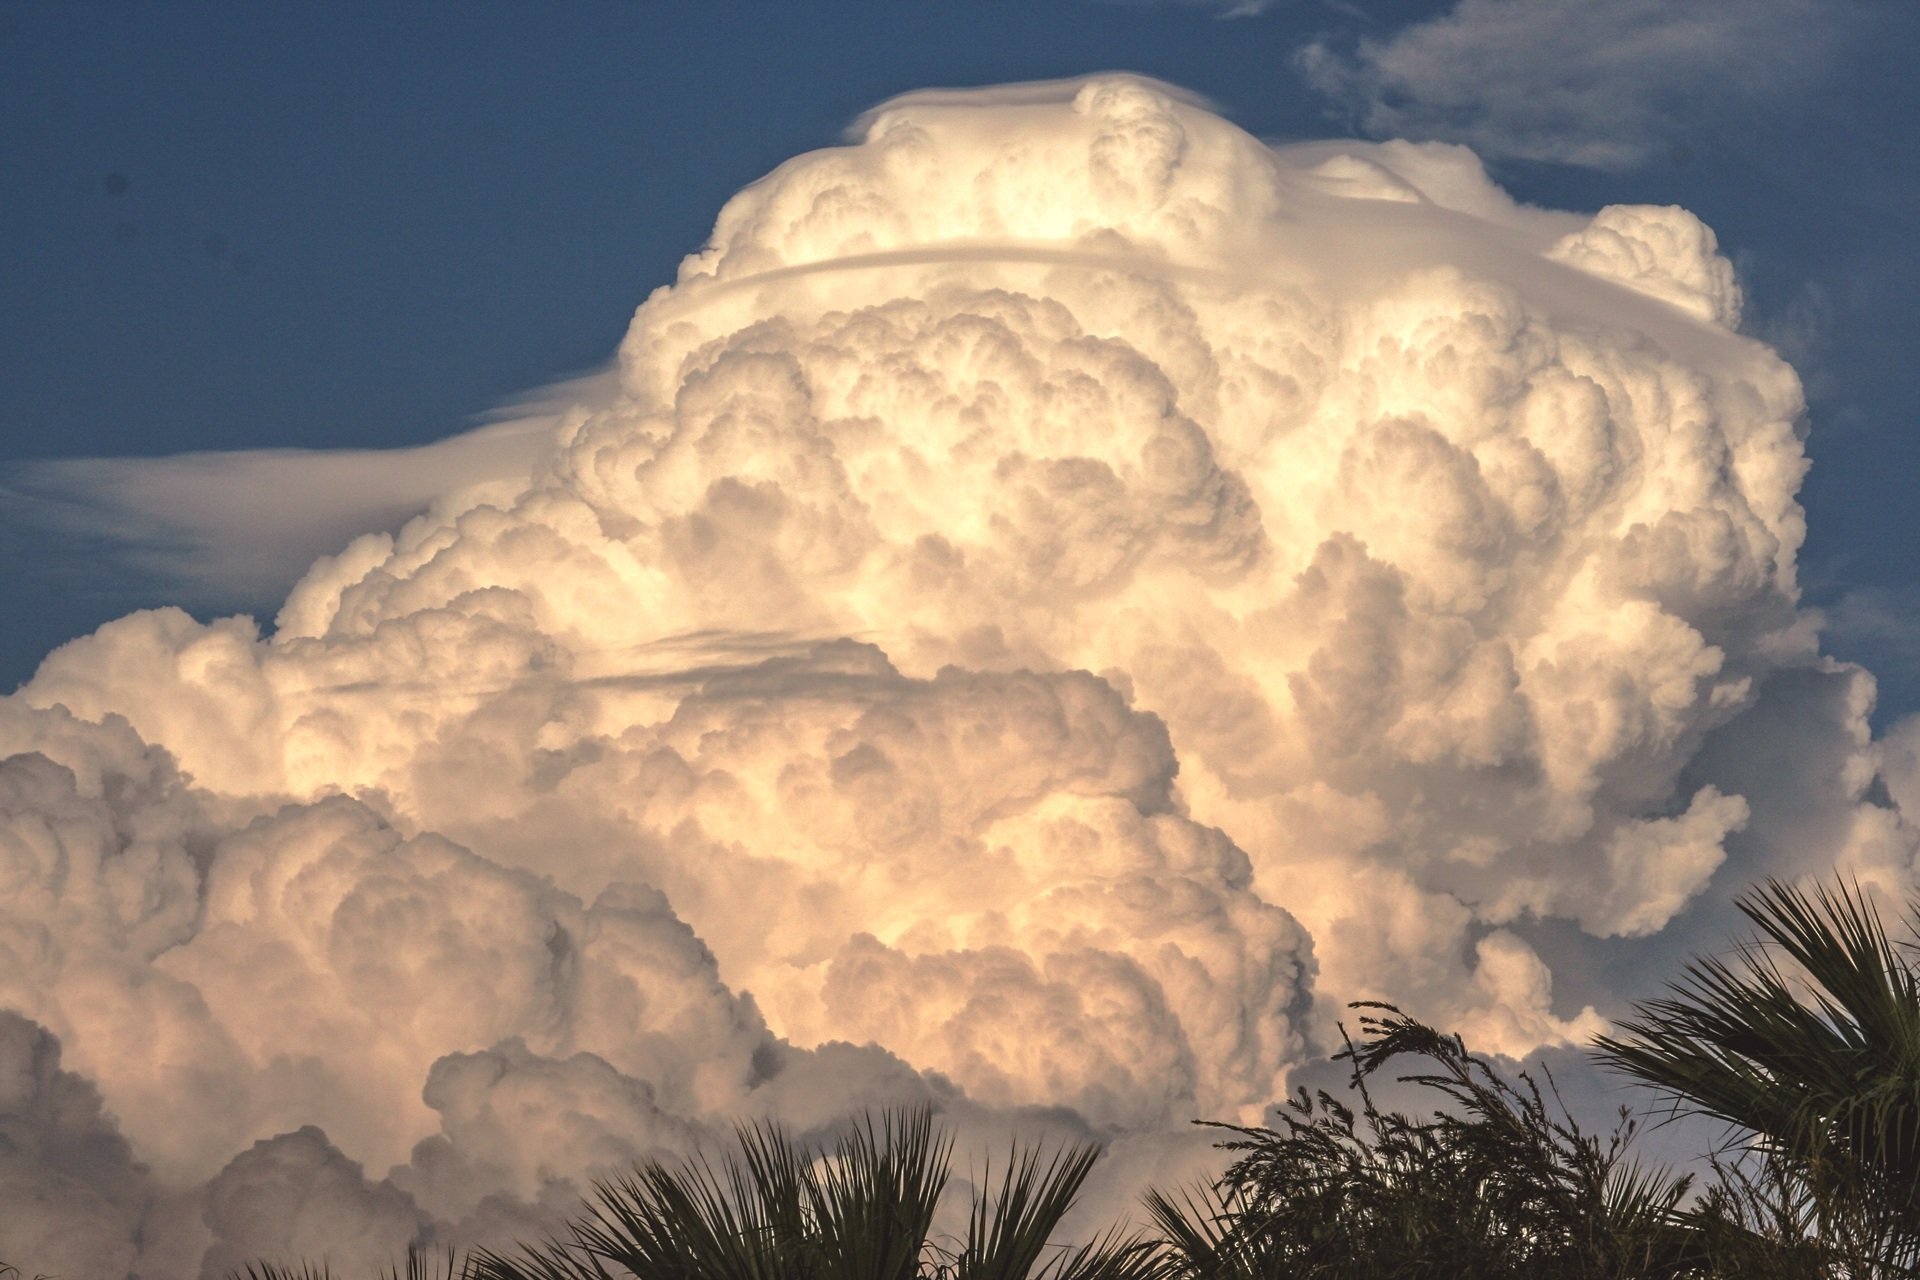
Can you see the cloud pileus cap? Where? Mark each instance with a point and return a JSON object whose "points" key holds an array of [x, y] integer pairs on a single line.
{"points": [[1062, 596]]}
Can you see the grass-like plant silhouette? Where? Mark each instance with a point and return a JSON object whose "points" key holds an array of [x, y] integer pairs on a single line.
{"points": [[1806, 1043], [1497, 1182]]}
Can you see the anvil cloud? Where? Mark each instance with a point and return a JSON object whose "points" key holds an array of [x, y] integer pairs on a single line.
{"points": [[1060, 596]]}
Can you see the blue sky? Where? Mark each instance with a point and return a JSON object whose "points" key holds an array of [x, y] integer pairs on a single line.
{"points": [[259, 225]]}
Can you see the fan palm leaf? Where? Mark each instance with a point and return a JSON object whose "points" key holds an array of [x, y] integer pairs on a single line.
{"points": [[1010, 1237], [1808, 1039], [420, 1264], [863, 1211]]}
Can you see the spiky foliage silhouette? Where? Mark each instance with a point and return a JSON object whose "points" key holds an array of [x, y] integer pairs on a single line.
{"points": [[862, 1211], [1498, 1183], [420, 1264], [1806, 1042]]}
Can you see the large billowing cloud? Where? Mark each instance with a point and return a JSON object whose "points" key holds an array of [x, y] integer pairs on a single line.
{"points": [[1062, 597]]}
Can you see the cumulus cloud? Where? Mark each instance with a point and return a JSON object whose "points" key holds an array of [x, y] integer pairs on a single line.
{"points": [[1600, 83], [293, 1197], [71, 1195], [1056, 598]]}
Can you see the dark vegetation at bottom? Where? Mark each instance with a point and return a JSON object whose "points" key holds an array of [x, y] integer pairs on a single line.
{"points": [[1805, 1043]]}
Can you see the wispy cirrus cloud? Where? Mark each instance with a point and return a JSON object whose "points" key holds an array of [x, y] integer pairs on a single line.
{"points": [[1603, 84], [1223, 8]]}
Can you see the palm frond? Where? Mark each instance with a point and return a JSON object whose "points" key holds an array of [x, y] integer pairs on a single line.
{"points": [[549, 1261], [1807, 1040], [282, 1271], [419, 1264], [1008, 1234], [871, 1205], [1213, 1233]]}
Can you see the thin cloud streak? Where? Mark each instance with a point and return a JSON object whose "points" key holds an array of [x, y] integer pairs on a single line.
{"points": [[243, 525], [1604, 84]]}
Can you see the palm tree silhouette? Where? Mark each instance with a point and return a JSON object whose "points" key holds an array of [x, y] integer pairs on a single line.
{"points": [[1806, 1041], [864, 1211]]}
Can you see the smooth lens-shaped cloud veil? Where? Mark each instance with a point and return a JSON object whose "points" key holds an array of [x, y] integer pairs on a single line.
{"points": [[1062, 596]]}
